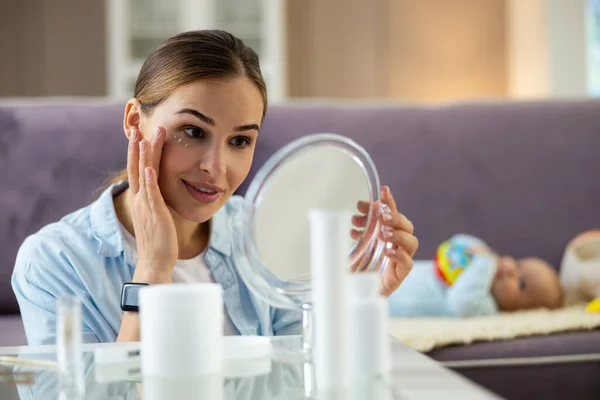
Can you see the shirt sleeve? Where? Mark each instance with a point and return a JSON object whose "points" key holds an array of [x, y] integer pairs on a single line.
{"points": [[470, 295], [38, 279]]}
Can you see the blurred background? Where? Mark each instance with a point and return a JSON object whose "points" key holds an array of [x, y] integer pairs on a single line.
{"points": [[416, 51]]}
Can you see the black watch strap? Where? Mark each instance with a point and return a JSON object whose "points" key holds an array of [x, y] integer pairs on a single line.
{"points": [[130, 296]]}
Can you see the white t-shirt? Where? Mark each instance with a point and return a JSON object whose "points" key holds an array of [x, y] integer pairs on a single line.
{"points": [[193, 270]]}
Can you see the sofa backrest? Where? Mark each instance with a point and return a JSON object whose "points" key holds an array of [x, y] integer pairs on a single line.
{"points": [[53, 158], [524, 176]]}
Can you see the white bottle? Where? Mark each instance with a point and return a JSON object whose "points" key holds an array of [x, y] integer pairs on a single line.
{"points": [[368, 339], [330, 242]]}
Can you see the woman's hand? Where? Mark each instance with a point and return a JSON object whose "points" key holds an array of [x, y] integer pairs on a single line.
{"points": [[155, 232], [397, 231]]}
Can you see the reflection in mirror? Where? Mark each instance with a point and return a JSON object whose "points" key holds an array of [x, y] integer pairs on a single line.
{"points": [[285, 378], [207, 386], [322, 178], [46, 385]]}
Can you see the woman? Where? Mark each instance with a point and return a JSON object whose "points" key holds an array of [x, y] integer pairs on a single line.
{"points": [[192, 126]]}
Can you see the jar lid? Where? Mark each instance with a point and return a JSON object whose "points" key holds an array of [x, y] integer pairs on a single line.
{"points": [[246, 347]]}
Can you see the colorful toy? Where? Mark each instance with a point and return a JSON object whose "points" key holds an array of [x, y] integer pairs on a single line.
{"points": [[450, 260], [593, 306]]}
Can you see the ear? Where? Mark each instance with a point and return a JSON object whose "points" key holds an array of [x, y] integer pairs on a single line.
{"points": [[133, 116]]}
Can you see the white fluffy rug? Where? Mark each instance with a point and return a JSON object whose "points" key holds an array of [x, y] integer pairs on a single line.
{"points": [[425, 334]]}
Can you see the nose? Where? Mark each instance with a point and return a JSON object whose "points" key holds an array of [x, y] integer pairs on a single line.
{"points": [[213, 161]]}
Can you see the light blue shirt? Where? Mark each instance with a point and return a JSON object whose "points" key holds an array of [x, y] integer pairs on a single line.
{"points": [[85, 255], [423, 294]]}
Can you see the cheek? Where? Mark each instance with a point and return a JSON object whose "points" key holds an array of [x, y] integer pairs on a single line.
{"points": [[238, 167], [503, 288], [175, 159]]}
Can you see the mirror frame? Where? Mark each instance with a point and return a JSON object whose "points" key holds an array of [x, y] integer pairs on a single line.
{"points": [[293, 294]]}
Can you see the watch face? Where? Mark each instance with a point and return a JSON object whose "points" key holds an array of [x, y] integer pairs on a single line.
{"points": [[130, 296]]}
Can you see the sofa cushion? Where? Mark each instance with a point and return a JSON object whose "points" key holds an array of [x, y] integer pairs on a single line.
{"points": [[561, 380]]}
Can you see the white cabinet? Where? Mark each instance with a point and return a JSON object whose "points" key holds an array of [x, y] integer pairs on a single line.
{"points": [[136, 27]]}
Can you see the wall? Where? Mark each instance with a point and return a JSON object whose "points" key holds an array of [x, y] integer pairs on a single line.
{"points": [[52, 48], [426, 50], [547, 48], [446, 50], [337, 48]]}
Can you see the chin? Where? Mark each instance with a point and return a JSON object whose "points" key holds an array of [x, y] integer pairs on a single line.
{"points": [[198, 215], [190, 209]]}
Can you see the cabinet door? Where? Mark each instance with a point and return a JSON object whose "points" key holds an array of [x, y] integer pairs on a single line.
{"points": [[136, 27]]}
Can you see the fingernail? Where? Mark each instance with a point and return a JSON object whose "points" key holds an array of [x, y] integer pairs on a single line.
{"points": [[142, 146], [387, 234], [147, 172], [132, 135], [390, 252], [386, 216], [157, 132], [386, 228]]}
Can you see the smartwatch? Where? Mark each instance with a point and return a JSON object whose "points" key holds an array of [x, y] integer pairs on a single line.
{"points": [[130, 295]]}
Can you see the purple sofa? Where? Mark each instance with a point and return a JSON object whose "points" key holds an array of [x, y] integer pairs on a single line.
{"points": [[524, 176]]}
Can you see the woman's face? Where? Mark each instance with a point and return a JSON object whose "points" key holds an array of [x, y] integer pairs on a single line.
{"points": [[211, 130]]}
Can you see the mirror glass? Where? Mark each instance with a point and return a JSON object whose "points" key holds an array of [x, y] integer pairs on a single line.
{"points": [[322, 178]]}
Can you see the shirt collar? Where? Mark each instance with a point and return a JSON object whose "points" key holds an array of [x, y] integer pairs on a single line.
{"points": [[106, 227], [104, 221], [220, 232]]}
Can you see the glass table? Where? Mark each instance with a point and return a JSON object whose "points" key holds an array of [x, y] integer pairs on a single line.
{"points": [[286, 375]]}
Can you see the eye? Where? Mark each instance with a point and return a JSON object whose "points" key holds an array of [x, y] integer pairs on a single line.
{"points": [[194, 132], [240, 142], [522, 283]]}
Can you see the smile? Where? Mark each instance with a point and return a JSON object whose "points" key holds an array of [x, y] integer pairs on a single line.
{"points": [[202, 193]]}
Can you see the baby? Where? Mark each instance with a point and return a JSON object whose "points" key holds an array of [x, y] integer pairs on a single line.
{"points": [[478, 283]]}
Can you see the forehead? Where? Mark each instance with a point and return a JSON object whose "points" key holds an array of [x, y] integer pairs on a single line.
{"points": [[535, 266], [235, 98], [541, 278]]}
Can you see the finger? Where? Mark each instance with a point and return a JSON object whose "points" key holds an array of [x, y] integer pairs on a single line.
{"points": [[133, 155], [388, 199], [355, 234], [402, 240], [397, 221], [398, 268], [158, 140], [144, 162], [155, 199], [363, 207], [359, 221]]}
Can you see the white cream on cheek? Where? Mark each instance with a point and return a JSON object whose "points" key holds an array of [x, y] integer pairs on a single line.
{"points": [[181, 141]]}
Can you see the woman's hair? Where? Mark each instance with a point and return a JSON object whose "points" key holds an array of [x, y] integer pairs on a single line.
{"points": [[190, 57]]}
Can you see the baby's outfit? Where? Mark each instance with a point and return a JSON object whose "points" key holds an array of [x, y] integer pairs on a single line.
{"points": [[456, 283]]}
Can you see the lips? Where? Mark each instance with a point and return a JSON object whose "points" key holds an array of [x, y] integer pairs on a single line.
{"points": [[203, 192]]}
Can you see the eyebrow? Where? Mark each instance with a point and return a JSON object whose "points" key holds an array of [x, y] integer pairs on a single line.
{"points": [[208, 120]]}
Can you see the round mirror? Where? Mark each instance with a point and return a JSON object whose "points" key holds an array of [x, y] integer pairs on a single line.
{"points": [[322, 171]]}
